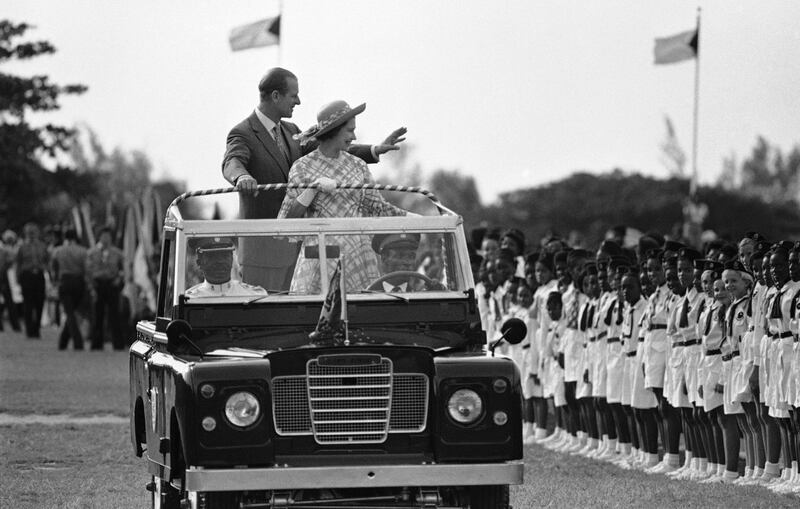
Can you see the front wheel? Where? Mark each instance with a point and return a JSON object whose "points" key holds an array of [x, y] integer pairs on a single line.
{"points": [[489, 497]]}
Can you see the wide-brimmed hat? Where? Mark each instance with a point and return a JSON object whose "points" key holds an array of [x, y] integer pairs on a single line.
{"points": [[331, 116]]}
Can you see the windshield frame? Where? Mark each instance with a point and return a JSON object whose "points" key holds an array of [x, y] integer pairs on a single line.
{"points": [[446, 224]]}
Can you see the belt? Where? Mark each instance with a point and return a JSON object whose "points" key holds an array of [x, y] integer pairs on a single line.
{"points": [[655, 326], [730, 356], [641, 339], [525, 347], [689, 342], [612, 340], [631, 354], [714, 351], [592, 339], [602, 335]]}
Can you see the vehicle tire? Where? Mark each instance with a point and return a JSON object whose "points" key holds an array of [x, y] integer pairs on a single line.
{"points": [[488, 497]]}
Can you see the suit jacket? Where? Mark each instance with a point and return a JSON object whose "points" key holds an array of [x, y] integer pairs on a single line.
{"points": [[252, 150]]}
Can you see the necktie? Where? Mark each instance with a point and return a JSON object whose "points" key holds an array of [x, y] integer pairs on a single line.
{"points": [[584, 316], [683, 321], [776, 306], [572, 319], [281, 142]]}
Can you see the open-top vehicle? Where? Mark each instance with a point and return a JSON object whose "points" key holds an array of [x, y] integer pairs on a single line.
{"points": [[323, 394]]}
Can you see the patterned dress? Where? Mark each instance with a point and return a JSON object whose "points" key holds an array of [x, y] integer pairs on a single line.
{"points": [[360, 261]]}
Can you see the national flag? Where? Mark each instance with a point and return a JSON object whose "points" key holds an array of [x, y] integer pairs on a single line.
{"points": [[266, 32], [330, 317], [677, 48]]}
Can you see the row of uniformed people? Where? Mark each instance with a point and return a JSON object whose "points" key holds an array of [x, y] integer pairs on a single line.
{"points": [[631, 352]]}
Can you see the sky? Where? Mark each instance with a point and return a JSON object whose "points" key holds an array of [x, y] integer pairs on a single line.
{"points": [[513, 93]]}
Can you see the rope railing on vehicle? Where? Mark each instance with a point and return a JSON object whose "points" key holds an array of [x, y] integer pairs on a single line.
{"points": [[272, 187]]}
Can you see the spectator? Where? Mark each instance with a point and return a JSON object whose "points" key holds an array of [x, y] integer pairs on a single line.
{"points": [[32, 261], [69, 275], [104, 269], [7, 256]]}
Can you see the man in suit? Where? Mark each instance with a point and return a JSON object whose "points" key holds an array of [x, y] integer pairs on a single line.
{"points": [[261, 150]]}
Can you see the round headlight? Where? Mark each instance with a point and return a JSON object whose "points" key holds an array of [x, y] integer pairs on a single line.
{"points": [[242, 409], [465, 406]]}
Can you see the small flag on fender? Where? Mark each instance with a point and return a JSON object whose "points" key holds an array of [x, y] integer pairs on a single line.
{"points": [[266, 32], [676, 48]]}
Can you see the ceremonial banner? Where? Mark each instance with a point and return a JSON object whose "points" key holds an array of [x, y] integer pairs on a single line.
{"points": [[255, 35], [676, 48]]}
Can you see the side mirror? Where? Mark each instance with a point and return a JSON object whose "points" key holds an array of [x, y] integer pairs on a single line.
{"points": [[178, 332], [514, 330]]}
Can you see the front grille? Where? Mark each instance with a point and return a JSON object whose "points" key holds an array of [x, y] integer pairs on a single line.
{"points": [[350, 404]]}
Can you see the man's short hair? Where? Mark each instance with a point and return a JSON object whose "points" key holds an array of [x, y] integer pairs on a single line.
{"points": [[276, 78]]}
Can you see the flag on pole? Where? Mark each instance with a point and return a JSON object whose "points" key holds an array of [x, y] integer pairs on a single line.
{"points": [[266, 32], [677, 48], [330, 317]]}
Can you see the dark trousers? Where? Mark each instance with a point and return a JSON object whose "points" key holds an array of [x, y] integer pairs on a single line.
{"points": [[8, 303], [32, 284], [106, 300], [70, 292]]}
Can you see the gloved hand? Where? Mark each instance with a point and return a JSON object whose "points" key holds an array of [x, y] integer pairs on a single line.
{"points": [[325, 184]]}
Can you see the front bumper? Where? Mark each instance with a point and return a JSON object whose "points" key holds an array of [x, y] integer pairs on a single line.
{"points": [[367, 476]]}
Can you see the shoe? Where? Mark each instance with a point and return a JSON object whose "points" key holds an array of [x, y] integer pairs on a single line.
{"points": [[678, 471], [550, 438], [557, 443], [782, 488], [685, 475], [608, 455], [585, 450], [699, 475], [764, 479]]}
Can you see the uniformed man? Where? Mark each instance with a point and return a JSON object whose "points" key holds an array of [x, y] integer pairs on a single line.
{"points": [[397, 258], [104, 269], [215, 261], [69, 270]]}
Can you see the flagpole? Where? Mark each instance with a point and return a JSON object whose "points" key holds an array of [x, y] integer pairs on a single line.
{"points": [[693, 183], [280, 38]]}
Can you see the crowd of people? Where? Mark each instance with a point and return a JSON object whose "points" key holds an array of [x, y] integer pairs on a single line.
{"points": [[632, 347], [54, 272], [629, 348]]}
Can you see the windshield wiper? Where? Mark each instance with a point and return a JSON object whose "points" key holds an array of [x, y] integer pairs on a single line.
{"points": [[395, 295], [269, 294]]}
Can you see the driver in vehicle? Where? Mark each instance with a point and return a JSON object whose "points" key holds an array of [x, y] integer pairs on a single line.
{"points": [[397, 260], [215, 261]]}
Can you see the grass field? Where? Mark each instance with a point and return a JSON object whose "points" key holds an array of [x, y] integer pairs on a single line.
{"points": [[93, 465]]}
